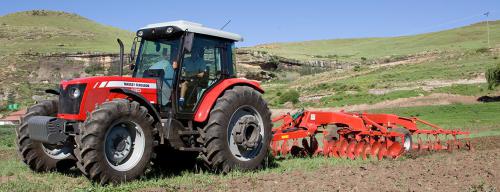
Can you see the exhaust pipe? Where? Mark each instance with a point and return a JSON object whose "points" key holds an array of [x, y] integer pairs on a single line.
{"points": [[121, 56]]}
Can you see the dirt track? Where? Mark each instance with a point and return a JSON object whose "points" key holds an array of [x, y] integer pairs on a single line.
{"points": [[459, 171]]}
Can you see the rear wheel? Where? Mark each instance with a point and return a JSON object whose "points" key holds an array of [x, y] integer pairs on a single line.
{"points": [[238, 132], [38, 156], [116, 142]]}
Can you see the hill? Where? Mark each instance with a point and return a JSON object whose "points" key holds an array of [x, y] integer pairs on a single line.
{"points": [[40, 48], [41, 31], [459, 39], [377, 70]]}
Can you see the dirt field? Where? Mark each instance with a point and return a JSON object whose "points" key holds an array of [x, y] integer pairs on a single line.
{"points": [[476, 170]]}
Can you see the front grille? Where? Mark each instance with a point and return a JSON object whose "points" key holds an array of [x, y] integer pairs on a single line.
{"points": [[68, 104]]}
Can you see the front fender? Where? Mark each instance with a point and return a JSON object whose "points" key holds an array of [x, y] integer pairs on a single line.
{"points": [[140, 99], [211, 96]]}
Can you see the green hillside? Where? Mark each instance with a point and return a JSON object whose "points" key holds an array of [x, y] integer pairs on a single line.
{"points": [[50, 31], [451, 61], [458, 39]]}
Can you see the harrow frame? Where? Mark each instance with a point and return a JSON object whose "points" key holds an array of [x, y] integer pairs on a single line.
{"points": [[358, 135]]}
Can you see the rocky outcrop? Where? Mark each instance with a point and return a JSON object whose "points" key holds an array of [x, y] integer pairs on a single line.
{"points": [[261, 65]]}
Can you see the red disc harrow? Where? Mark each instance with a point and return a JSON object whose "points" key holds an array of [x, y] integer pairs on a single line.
{"points": [[359, 135]]}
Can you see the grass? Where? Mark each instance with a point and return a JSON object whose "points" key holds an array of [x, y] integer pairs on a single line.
{"points": [[481, 118], [344, 99], [354, 87], [51, 31], [8, 135], [465, 89], [472, 37]]}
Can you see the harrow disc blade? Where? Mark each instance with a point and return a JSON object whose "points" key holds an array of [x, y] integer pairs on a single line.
{"points": [[382, 152], [350, 150], [327, 147], [359, 148], [343, 148], [314, 146], [334, 151], [437, 146], [469, 145], [450, 145], [395, 150], [367, 151], [375, 148]]}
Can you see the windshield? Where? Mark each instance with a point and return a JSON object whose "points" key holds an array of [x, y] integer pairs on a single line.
{"points": [[158, 55]]}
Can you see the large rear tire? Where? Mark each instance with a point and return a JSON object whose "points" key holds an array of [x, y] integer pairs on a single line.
{"points": [[38, 156], [238, 132], [116, 142]]}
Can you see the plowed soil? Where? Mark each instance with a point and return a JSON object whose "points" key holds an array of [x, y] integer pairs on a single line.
{"points": [[476, 170]]}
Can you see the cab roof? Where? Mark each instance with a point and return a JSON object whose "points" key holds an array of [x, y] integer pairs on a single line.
{"points": [[197, 28]]}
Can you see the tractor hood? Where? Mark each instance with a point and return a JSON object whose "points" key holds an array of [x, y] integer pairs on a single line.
{"points": [[80, 96], [108, 81]]}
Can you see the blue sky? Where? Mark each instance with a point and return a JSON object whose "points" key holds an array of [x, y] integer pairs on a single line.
{"points": [[280, 21]]}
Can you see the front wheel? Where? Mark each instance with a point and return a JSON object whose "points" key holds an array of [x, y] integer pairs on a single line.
{"points": [[116, 142], [238, 132], [38, 156]]}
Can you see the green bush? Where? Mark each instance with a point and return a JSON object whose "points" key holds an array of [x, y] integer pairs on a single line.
{"points": [[357, 68], [94, 69], [292, 96], [482, 50], [493, 76]]}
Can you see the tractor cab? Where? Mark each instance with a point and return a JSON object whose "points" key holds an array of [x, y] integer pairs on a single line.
{"points": [[186, 58]]}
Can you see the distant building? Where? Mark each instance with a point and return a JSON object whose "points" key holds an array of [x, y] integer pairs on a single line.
{"points": [[13, 118]]}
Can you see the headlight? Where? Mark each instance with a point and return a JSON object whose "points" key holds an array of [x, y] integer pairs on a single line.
{"points": [[74, 93]]}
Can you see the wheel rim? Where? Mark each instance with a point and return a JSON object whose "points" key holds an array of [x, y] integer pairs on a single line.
{"points": [[57, 152], [245, 133], [124, 145], [407, 143]]}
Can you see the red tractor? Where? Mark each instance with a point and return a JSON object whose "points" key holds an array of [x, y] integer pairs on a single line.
{"points": [[182, 101]]}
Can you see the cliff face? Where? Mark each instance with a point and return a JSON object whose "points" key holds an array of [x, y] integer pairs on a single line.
{"points": [[27, 76], [261, 65]]}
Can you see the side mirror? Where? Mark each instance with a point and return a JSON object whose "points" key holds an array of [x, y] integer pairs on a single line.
{"points": [[132, 54], [188, 42], [132, 50]]}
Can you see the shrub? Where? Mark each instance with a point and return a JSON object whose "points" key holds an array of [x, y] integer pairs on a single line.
{"points": [[493, 76], [482, 50], [292, 96], [94, 69], [274, 60], [357, 68]]}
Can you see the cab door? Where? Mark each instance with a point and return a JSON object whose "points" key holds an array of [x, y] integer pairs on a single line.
{"points": [[200, 70]]}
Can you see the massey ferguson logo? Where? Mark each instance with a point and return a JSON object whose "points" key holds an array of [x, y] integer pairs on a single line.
{"points": [[133, 84], [127, 84]]}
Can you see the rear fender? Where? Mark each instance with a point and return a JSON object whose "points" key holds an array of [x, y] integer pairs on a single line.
{"points": [[211, 96]]}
